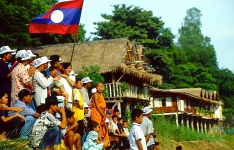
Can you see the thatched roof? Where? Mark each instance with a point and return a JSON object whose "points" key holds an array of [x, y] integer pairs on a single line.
{"points": [[196, 93], [111, 55]]}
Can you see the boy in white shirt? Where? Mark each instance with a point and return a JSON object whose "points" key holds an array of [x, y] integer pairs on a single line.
{"points": [[136, 135]]}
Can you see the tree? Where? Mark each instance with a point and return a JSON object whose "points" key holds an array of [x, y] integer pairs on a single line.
{"points": [[191, 76], [140, 25], [15, 17], [197, 47]]}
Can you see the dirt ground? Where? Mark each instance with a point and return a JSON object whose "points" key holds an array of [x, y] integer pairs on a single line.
{"points": [[197, 145]]}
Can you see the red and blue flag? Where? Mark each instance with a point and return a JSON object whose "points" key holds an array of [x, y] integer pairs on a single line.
{"points": [[62, 18]]}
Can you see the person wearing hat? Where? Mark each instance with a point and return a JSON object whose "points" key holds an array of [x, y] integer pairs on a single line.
{"points": [[86, 84], [25, 98], [147, 127], [53, 136], [5, 73], [21, 76], [41, 83]]}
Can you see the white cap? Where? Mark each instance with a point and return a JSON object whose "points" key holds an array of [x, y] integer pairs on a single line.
{"points": [[38, 62], [94, 90], [31, 54], [23, 54], [86, 80], [147, 110], [45, 59], [5, 49], [86, 105], [60, 60]]}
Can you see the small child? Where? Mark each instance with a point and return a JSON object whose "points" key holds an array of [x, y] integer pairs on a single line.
{"points": [[136, 136], [125, 127], [57, 88], [78, 106], [92, 141]]}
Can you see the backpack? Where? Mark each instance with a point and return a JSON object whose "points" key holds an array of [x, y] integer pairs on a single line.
{"points": [[39, 129]]}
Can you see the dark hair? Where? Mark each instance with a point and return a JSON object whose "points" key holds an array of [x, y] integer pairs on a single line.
{"points": [[178, 147], [113, 117], [2, 93], [52, 68], [156, 143], [136, 113], [120, 118], [77, 80], [69, 113], [54, 59], [66, 65], [124, 122], [93, 124], [116, 110]]}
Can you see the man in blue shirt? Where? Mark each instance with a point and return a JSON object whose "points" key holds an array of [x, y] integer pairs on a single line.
{"points": [[29, 114]]}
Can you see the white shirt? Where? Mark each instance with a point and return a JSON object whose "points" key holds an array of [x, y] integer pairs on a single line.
{"points": [[147, 127], [126, 131], [135, 134], [40, 84], [67, 87]]}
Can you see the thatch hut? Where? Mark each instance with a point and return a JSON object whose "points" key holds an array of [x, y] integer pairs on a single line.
{"points": [[117, 55], [119, 60]]}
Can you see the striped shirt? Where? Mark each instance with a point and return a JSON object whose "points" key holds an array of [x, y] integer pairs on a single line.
{"points": [[28, 111]]}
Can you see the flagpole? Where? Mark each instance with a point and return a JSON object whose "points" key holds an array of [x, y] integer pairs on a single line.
{"points": [[73, 47]]}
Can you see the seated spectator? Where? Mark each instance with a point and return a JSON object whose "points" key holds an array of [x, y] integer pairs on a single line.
{"points": [[116, 112], [93, 142], [9, 125], [29, 114], [120, 125], [54, 134], [72, 140]]}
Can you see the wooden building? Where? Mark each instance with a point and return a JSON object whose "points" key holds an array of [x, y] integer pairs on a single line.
{"points": [[194, 108], [120, 61]]}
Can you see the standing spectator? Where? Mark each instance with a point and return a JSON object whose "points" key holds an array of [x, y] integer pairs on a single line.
{"points": [[20, 76], [53, 135], [25, 98], [147, 127], [78, 106], [41, 83], [54, 62], [68, 80], [5, 73], [86, 110], [98, 111], [86, 83], [9, 124], [136, 135]]}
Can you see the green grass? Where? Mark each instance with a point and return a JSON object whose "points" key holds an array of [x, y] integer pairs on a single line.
{"points": [[167, 130]]}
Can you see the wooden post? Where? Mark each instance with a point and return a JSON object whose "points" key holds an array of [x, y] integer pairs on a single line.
{"points": [[187, 121], [177, 121], [192, 126], [119, 107], [205, 126], [182, 120], [201, 126], [198, 125]]}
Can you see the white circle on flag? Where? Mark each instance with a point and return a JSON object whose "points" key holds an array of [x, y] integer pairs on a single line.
{"points": [[57, 16]]}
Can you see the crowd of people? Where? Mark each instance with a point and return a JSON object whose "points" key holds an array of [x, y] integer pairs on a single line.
{"points": [[44, 101]]}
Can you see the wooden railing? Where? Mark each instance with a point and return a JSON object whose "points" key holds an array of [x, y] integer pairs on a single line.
{"points": [[114, 90]]}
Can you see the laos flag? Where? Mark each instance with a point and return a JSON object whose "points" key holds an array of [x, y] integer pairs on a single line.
{"points": [[62, 18]]}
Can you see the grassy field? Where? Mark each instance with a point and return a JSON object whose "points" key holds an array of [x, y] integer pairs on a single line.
{"points": [[169, 136]]}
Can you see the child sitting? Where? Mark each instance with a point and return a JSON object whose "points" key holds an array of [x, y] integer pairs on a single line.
{"points": [[9, 124], [92, 141]]}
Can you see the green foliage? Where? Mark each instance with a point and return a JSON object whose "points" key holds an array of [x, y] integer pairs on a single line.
{"points": [[15, 18], [189, 75], [93, 73], [124, 86]]}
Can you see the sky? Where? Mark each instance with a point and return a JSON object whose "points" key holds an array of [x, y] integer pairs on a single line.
{"points": [[217, 20]]}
